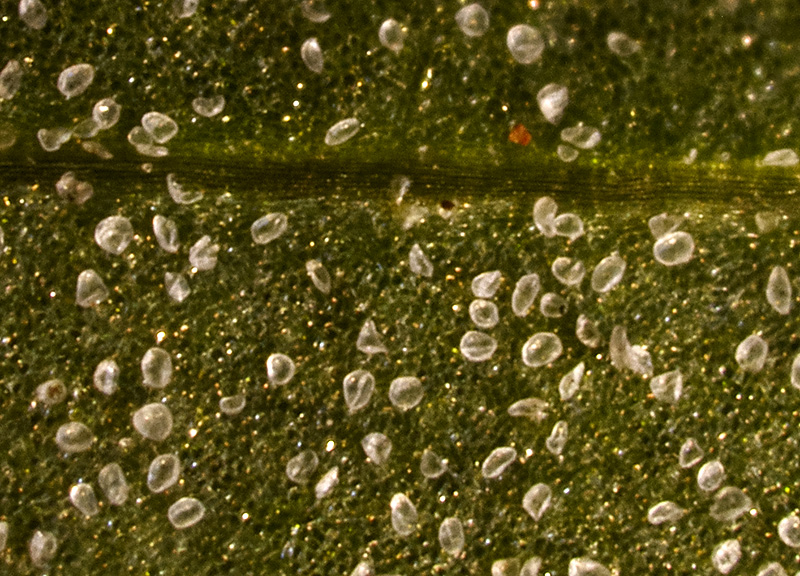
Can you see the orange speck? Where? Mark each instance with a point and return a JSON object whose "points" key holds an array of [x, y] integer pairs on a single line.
{"points": [[519, 135]]}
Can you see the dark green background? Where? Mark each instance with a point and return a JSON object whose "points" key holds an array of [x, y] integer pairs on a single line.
{"points": [[693, 84]]}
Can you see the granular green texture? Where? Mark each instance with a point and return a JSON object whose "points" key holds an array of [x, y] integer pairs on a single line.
{"points": [[714, 76], [431, 166], [620, 459]]}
